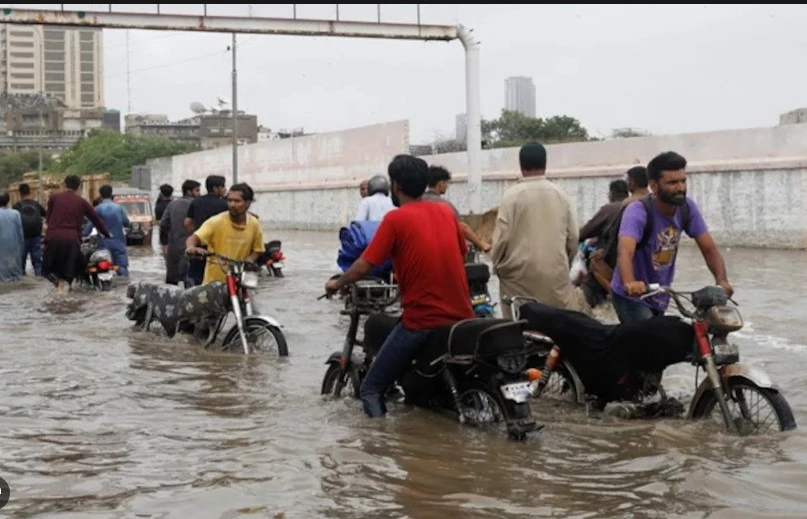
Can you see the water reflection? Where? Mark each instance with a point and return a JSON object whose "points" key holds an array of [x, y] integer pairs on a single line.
{"points": [[103, 421]]}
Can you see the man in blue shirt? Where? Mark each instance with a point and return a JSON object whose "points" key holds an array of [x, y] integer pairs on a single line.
{"points": [[115, 218]]}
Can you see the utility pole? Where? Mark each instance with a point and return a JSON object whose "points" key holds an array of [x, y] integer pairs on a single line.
{"points": [[41, 131], [235, 118]]}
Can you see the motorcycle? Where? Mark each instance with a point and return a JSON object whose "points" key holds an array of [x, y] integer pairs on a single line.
{"points": [[730, 387], [273, 258], [204, 309], [474, 368], [100, 269]]}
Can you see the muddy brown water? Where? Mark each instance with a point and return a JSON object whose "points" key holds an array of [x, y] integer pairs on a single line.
{"points": [[100, 421]]}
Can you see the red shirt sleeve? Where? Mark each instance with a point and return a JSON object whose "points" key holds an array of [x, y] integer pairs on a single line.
{"points": [[380, 248]]}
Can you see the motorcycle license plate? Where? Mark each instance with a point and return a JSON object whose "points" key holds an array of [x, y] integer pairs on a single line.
{"points": [[277, 265], [105, 276], [518, 392]]}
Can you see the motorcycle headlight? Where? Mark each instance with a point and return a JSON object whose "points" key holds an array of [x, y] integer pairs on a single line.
{"points": [[249, 279]]}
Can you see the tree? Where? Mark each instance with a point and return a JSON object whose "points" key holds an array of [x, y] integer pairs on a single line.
{"points": [[627, 133], [513, 129], [107, 151], [443, 144], [14, 164]]}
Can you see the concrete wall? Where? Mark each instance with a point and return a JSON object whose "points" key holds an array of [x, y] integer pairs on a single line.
{"points": [[751, 184]]}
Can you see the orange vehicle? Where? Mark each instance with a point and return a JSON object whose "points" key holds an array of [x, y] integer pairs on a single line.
{"points": [[137, 205]]}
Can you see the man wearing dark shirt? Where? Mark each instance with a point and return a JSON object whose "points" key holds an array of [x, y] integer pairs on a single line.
{"points": [[62, 261], [166, 190], [199, 211], [32, 214], [617, 192], [427, 247]]}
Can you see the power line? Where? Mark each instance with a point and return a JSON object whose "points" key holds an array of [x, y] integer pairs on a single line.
{"points": [[178, 62]]}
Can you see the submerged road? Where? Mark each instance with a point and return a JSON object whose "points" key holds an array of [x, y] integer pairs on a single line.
{"points": [[100, 421]]}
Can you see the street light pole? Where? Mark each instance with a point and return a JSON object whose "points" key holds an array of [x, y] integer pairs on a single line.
{"points": [[235, 118], [41, 180]]}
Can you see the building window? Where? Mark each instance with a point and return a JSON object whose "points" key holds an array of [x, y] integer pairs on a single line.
{"points": [[86, 47], [54, 35], [22, 86], [22, 34], [54, 56], [54, 76], [87, 98], [54, 66], [27, 55], [86, 67], [87, 77], [28, 44], [54, 45], [22, 75], [86, 36], [23, 65], [54, 88]]}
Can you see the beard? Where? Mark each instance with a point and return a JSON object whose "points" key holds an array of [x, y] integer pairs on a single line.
{"points": [[673, 199]]}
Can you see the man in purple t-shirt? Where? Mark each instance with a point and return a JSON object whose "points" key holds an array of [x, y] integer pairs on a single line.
{"points": [[654, 261]]}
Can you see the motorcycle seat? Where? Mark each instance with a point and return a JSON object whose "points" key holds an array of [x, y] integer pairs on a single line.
{"points": [[485, 337], [477, 273]]}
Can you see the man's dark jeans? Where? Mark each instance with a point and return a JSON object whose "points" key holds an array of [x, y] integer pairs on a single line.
{"points": [[395, 356], [33, 248], [631, 311], [196, 271]]}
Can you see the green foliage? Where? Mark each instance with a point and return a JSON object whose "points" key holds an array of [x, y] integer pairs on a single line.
{"points": [[107, 151], [513, 129], [14, 164]]}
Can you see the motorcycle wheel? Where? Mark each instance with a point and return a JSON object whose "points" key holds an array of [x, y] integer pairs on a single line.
{"points": [[561, 386], [332, 374], [482, 406], [277, 272], [105, 286], [785, 420], [232, 341]]}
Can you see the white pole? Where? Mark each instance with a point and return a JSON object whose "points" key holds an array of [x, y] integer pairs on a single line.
{"points": [[474, 119]]}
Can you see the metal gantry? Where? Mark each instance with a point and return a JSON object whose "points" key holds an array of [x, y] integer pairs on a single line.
{"points": [[291, 27]]}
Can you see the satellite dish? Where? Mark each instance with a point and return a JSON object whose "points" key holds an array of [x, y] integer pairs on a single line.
{"points": [[198, 108]]}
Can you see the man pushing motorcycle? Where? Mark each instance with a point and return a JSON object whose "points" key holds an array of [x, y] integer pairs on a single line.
{"points": [[427, 248], [649, 235]]}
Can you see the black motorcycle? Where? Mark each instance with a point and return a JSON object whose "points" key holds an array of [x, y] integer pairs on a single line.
{"points": [[272, 258], [475, 369]]}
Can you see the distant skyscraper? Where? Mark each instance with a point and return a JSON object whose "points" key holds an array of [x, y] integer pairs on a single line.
{"points": [[462, 127], [519, 95], [67, 63]]}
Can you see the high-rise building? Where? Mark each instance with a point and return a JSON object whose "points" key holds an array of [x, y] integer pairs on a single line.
{"points": [[461, 127], [67, 63], [519, 95]]}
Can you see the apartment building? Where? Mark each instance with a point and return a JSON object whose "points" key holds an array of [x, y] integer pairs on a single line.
{"points": [[67, 63]]}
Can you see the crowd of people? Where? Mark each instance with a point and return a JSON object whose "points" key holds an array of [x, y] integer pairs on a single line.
{"points": [[536, 235]]}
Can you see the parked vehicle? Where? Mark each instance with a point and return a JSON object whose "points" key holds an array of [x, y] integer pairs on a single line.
{"points": [[138, 208], [203, 310], [731, 392], [100, 269], [474, 369], [273, 258]]}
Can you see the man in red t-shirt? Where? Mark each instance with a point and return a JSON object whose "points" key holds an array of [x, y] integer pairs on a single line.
{"points": [[427, 247]]}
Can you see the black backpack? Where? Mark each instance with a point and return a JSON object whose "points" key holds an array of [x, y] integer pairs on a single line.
{"points": [[610, 237], [31, 218]]}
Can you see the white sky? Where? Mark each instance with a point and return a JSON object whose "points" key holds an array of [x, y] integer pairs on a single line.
{"points": [[663, 68]]}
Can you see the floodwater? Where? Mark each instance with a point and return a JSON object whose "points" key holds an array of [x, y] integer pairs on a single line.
{"points": [[99, 421]]}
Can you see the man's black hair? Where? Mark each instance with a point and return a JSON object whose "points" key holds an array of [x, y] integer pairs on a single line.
{"points": [[619, 187], [532, 157], [24, 189], [167, 190], [214, 181], [667, 161], [105, 191], [72, 182], [638, 175], [438, 174], [188, 186], [4, 198], [246, 192], [410, 173]]}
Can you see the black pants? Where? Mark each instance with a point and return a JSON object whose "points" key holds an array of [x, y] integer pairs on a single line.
{"points": [[176, 267], [62, 260], [196, 271]]}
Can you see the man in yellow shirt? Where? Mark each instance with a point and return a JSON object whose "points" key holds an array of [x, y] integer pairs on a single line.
{"points": [[235, 234]]}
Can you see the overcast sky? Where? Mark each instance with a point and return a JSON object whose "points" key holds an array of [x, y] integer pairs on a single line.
{"points": [[662, 68]]}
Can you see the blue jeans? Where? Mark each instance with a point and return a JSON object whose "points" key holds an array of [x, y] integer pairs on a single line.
{"points": [[119, 255], [394, 358], [631, 311], [33, 248]]}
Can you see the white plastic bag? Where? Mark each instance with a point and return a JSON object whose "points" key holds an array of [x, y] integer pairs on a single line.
{"points": [[578, 270]]}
